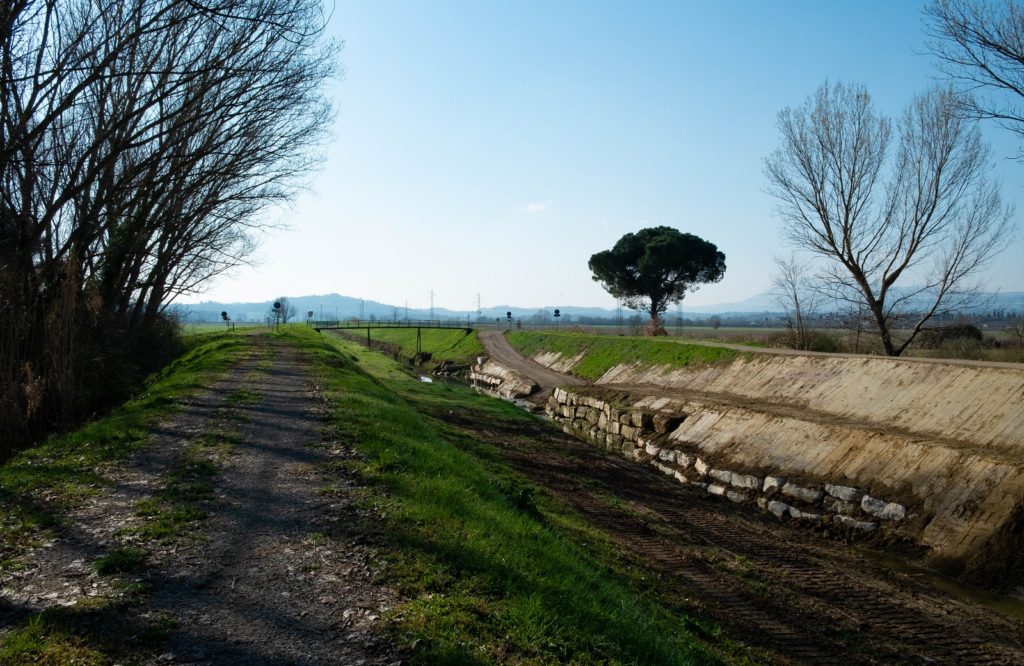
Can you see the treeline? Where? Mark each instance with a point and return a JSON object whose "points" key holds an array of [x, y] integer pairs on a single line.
{"points": [[140, 140]]}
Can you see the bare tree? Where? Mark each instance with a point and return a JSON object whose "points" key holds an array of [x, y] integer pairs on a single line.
{"points": [[794, 291], [141, 142], [906, 226], [980, 45]]}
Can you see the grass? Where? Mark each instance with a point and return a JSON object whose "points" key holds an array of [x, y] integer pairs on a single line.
{"points": [[120, 560], [601, 353], [441, 344], [39, 485], [494, 570]]}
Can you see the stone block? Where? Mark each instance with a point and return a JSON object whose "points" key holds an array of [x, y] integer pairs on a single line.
{"points": [[702, 467], [747, 481], [625, 418], [882, 509], [602, 421], [778, 509], [651, 449], [613, 414], [722, 475], [772, 483], [762, 503], [559, 395], [680, 477], [736, 496], [665, 423], [716, 489], [614, 440], [592, 415], [839, 506], [663, 468], [805, 515], [684, 460], [862, 525], [845, 493], [614, 428], [809, 495], [667, 455], [641, 420], [629, 432]]}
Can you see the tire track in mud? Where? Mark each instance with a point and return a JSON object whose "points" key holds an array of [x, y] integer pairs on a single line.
{"points": [[802, 597]]}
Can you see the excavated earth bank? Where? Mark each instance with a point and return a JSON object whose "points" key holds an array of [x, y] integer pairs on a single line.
{"points": [[924, 450]]}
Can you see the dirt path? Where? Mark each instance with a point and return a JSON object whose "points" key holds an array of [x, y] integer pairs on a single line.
{"points": [[501, 351], [794, 595], [278, 582], [276, 573]]}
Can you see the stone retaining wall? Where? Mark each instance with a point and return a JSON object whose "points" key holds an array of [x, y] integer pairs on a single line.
{"points": [[646, 437], [499, 380]]}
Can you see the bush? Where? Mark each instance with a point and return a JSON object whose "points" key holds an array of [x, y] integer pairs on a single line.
{"points": [[946, 337]]}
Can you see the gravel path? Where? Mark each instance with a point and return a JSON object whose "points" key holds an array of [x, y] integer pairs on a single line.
{"points": [[279, 572], [279, 580]]}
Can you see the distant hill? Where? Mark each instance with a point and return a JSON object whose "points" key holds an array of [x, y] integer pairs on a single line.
{"points": [[331, 306]]}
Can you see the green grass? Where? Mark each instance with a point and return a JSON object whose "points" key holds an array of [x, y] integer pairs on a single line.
{"points": [[120, 560], [601, 352], [495, 570], [442, 344], [41, 484]]}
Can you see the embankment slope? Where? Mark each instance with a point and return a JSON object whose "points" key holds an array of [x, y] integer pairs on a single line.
{"points": [[946, 440]]}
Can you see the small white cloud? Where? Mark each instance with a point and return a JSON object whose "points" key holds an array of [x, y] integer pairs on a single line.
{"points": [[537, 207]]}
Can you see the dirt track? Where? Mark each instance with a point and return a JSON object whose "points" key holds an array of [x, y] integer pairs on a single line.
{"points": [[801, 596], [278, 571], [501, 351]]}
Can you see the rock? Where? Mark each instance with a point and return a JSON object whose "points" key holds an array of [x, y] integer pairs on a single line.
{"points": [[625, 418], [716, 489], [666, 423], [736, 496], [846, 521], [615, 440], [602, 421], [668, 455], [773, 483], [778, 509], [664, 469], [558, 394], [808, 495], [762, 503], [839, 506], [747, 481], [702, 467], [614, 427], [720, 475], [805, 515], [680, 478], [651, 449], [629, 432], [641, 420], [882, 509], [592, 415], [684, 460], [845, 493]]}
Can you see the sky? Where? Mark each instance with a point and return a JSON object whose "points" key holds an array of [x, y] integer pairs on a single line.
{"points": [[490, 148]]}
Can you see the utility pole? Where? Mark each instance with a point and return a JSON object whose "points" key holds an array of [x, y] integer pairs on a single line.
{"points": [[361, 302], [478, 310], [407, 309], [431, 305]]}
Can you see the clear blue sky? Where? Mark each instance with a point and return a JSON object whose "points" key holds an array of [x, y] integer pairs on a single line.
{"points": [[486, 147]]}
